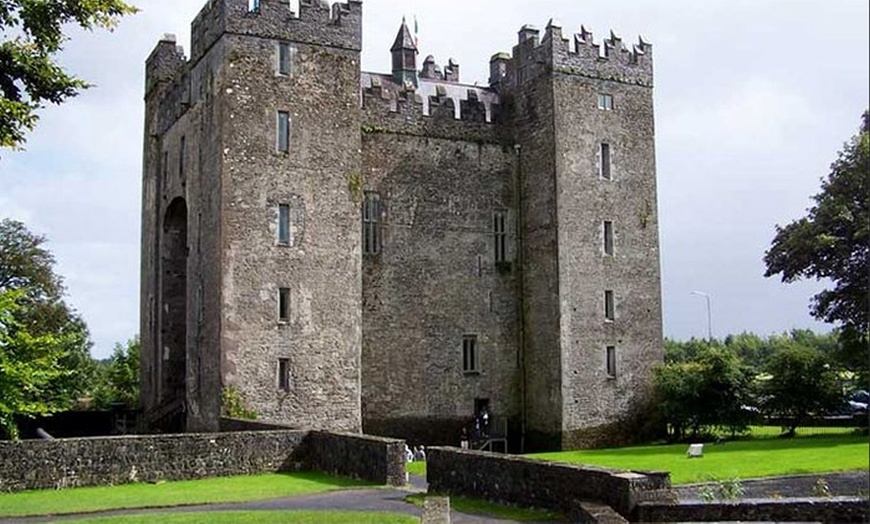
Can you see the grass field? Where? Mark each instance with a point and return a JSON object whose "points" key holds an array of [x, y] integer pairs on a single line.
{"points": [[416, 468], [744, 459], [255, 517], [762, 455], [205, 491]]}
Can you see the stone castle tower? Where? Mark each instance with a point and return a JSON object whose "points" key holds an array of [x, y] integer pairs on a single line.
{"points": [[391, 252]]}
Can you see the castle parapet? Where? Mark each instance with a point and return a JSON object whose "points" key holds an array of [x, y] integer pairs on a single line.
{"points": [[165, 63], [437, 109], [316, 23], [609, 60]]}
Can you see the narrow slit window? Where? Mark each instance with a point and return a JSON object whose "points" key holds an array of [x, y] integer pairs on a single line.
{"points": [[469, 354], [499, 236], [165, 167], [371, 227], [610, 355], [608, 237], [609, 307], [283, 131], [604, 155], [284, 374], [605, 101], [285, 55], [285, 235], [182, 157], [283, 304]]}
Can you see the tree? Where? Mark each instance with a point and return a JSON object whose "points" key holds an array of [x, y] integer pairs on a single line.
{"points": [[29, 74], [833, 242], [802, 383], [46, 364], [29, 365], [119, 379], [708, 390]]}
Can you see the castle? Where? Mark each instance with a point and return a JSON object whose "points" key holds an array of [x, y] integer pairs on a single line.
{"points": [[392, 252]]}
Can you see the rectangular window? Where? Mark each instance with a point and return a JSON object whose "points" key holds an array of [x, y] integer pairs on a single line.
{"points": [[608, 237], [605, 101], [284, 58], [253, 6], [283, 131], [182, 157], [499, 236], [609, 308], [283, 304], [604, 157], [371, 228], [469, 354], [284, 374], [284, 232], [611, 361]]}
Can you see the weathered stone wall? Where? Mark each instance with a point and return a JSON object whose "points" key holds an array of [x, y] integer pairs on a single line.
{"points": [[321, 339], [592, 398], [834, 510], [435, 278], [376, 459], [180, 320], [540, 484], [64, 463], [551, 95]]}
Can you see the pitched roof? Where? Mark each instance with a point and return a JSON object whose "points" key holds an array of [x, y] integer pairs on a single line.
{"points": [[404, 40]]}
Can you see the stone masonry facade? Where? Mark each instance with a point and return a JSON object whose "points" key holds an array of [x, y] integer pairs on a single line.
{"points": [[387, 253]]}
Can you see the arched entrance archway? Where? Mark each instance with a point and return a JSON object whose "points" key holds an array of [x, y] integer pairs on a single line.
{"points": [[172, 350]]}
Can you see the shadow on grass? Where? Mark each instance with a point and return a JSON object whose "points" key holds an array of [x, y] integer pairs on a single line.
{"points": [[484, 508]]}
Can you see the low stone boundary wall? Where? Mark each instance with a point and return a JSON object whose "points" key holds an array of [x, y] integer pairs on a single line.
{"points": [[63, 463], [834, 510], [376, 459], [538, 483]]}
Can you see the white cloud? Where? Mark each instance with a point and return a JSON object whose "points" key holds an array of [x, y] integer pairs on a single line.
{"points": [[756, 114]]}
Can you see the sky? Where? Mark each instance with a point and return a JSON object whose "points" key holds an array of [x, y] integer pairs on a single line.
{"points": [[753, 100]]}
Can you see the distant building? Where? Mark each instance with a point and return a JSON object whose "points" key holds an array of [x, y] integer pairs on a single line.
{"points": [[392, 252]]}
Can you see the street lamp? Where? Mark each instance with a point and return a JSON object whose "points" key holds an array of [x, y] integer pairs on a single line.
{"points": [[709, 314]]}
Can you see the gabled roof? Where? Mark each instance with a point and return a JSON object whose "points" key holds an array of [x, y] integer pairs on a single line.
{"points": [[404, 40]]}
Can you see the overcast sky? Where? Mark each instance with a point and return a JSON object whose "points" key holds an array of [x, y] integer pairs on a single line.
{"points": [[753, 100]]}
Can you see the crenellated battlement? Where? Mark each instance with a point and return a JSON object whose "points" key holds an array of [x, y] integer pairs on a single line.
{"points": [[580, 55], [316, 23], [435, 108], [434, 99]]}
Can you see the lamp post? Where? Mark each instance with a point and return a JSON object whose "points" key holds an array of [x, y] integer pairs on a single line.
{"points": [[709, 313]]}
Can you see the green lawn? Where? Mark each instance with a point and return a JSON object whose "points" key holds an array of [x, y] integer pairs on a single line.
{"points": [[205, 491], [744, 459], [252, 517], [416, 468]]}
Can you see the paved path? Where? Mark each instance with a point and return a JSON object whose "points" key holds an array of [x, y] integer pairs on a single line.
{"points": [[854, 483], [389, 500]]}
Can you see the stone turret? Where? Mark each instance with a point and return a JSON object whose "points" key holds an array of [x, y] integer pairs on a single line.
{"points": [[404, 52]]}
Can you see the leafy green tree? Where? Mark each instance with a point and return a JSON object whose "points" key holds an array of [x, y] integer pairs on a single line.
{"points": [[118, 381], [29, 74], [833, 242], [39, 328], [29, 366], [709, 390], [802, 383]]}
